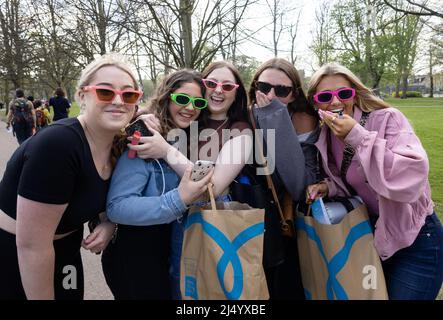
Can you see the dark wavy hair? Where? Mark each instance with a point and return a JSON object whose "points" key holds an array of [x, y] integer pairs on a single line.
{"points": [[238, 111], [300, 103], [159, 103], [59, 92]]}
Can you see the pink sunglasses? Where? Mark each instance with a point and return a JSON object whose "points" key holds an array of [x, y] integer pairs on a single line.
{"points": [[343, 94], [227, 86], [106, 94]]}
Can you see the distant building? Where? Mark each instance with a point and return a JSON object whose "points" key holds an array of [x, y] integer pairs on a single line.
{"points": [[422, 83]]}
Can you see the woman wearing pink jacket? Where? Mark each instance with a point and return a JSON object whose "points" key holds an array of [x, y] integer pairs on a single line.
{"points": [[389, 171]]}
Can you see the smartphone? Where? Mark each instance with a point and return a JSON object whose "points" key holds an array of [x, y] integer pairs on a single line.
{"points": [[201, 169], [138, 125]]}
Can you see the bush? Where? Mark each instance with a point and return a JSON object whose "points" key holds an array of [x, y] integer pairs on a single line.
{"points": [[409, 94]]}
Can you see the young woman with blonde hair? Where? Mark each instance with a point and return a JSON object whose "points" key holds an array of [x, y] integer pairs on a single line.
{"points": [[369, 149], [58, 180]]}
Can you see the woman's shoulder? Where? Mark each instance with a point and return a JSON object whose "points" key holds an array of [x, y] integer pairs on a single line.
{"points": [[59, 139], [62, 130], [388, 115]]}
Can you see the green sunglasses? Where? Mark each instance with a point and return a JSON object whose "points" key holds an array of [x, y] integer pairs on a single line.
{"points": [[183, 100]]}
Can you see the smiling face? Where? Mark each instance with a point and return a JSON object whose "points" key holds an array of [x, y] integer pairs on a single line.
{"points": [[182, 116], [110, 116], [277, 77], [332, 83], [220, 101]]}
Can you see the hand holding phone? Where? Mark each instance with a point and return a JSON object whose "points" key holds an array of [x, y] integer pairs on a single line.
{"points": [[201, 169], [140, 126]]}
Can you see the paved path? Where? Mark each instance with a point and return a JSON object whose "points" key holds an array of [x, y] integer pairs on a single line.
{"points": [[95, 286]]}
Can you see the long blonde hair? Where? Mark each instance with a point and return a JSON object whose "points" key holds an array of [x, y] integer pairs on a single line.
{"points": [[118, 61], [365, 99]]}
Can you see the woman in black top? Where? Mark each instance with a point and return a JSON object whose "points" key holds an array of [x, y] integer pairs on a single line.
{"points": [[60, 104], [57, 181], [279, 103]]}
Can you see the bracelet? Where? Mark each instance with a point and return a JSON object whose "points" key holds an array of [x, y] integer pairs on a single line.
{"points": [[114, 234]]}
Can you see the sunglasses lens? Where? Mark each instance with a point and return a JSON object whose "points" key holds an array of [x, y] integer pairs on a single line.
{"points": [[228, 87], [324, 97], [130, 97], [210, 84], [200, 103], [282, 91], [264, 87], [345, 94], [182, 99], [105, 94]]}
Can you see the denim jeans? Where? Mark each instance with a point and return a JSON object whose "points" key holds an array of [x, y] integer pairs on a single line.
{"points": [[416, 272], [176, 252]]}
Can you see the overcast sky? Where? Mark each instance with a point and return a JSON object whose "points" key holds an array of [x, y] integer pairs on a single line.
{"points": [[261, 16]]}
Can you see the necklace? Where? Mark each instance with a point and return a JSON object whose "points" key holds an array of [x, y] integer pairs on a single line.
{"points": [[103, 169], [216, 130]]}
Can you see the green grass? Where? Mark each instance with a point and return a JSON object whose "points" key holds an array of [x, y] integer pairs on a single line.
{"points": [[75, 110], [427, 125], [415, 102]]}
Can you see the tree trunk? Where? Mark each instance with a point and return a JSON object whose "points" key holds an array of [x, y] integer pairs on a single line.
{"points": [[397, 87], [275, 30], [404, 85], [101, 26], [186, 30], [431, 77], [6, 96]]}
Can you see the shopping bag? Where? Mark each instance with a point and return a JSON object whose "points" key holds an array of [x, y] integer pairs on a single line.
{"points": [[339, 261], [222, 253]]}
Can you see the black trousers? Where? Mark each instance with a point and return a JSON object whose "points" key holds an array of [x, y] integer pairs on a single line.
{"points": [[136, 266], [284, 280], [68, 274], [22, 132]]}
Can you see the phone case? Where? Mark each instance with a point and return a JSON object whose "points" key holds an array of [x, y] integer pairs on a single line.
{"points": [[138, 125], [201, 169]]}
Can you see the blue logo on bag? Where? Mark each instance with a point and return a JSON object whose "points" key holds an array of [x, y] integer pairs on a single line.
{"points": [[229, 255], [191, 287], [338, 261]]}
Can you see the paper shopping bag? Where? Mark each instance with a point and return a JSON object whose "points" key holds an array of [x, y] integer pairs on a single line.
{"points": [[222, 253], [339, 261]]}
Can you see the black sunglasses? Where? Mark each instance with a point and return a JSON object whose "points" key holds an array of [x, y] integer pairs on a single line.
{"points": [[280, 91]]}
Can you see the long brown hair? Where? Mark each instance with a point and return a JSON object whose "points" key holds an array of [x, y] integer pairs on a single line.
{"points": [[159, 103], [238, 111], [300, 103], [365, 99]]}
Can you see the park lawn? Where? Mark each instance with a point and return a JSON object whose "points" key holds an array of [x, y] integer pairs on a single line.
{"points": [[415, 102], [427, 125], [75, 110]]}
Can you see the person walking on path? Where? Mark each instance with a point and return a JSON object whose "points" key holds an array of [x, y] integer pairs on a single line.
{"points": [[21, 116], [60, 104]]}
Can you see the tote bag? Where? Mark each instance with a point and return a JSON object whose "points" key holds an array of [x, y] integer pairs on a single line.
{"points": [[339, 261], [222, 253]]}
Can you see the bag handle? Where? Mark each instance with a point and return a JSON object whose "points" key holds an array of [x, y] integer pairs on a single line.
{"points": [[211, 195], [284, 224]]}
